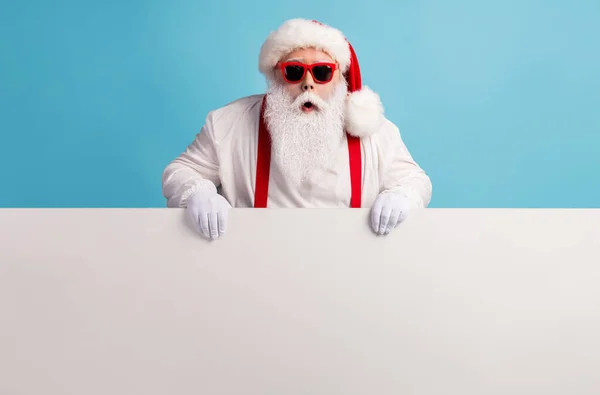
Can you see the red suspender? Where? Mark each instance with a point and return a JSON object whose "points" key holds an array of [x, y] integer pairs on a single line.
{"points": [[354, 153], [263, 162], [263, 165]]}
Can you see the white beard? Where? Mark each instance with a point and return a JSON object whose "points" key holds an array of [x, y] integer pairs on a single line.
{"points": [[303, 143]]}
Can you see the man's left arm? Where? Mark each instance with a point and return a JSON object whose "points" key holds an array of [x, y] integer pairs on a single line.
{"points": [[404, 184]]}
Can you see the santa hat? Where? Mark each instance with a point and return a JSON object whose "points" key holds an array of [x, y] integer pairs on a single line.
{"points": [[364, 110]]}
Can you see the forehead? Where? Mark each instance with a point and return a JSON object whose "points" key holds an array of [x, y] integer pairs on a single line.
{"points": [[308, 55]]}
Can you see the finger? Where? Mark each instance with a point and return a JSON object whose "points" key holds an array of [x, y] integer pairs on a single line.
{"points": [[385, 219], [223, 217], [393, 222], [213, 225], [403, 216], [203, 221], [376, 215], [193, 217]]}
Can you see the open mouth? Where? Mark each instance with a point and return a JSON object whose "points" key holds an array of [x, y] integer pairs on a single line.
{"points": [[308, 106]]}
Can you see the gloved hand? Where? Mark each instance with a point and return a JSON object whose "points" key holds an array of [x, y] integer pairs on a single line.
{"points": [[388, 211], [209, 213]]}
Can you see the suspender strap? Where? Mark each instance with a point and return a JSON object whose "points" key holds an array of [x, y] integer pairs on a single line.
{"points": [[263, 165], [354, 153], [263, 162]]}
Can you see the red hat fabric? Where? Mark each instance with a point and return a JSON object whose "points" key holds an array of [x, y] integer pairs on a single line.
{"points": [[364, 110]]}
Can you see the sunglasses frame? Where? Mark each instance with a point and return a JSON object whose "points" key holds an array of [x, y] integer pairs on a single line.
{"points": [[308, 68]]}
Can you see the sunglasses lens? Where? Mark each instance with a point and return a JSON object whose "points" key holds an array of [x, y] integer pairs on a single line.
{"points": [[322, 73], [294, 73]]}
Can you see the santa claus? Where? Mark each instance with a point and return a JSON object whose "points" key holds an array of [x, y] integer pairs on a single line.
{"points": [[317, 138]]}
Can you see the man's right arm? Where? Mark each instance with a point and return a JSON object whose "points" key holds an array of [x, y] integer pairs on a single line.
{"points": [[196, 169]]}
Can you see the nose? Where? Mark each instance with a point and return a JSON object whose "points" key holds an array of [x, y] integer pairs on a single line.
{"points": [[308, 84]]}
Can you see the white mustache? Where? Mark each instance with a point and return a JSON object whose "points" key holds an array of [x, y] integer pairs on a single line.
{"points": [[310, 97]]}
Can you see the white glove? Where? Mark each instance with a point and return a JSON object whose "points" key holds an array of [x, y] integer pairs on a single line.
{"points": [[209, 212], [389, 210]]}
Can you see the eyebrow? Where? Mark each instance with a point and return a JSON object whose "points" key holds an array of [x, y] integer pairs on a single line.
{"points": [[302, 60]]}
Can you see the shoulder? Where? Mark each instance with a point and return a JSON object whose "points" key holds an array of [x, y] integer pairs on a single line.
{"points": [[245, 110], [387, 141], [237, 107], [387, 133]]}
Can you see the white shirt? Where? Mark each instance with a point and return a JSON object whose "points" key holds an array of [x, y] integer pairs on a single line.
{"points": [[223, 155]]}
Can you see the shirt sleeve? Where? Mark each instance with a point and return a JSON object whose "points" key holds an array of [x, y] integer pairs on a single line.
{"points": [[399, 172], [197, 168]]}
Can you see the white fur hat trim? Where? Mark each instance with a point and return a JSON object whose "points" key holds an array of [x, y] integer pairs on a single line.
{"points": [[301, 33]]}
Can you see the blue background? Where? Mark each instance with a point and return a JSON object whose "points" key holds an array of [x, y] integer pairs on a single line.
{"points": [[498, 101]]}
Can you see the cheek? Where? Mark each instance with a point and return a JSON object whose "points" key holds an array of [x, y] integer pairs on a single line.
{"points": [[292, 89], [326, 90], [329, 89], [295, 89]]}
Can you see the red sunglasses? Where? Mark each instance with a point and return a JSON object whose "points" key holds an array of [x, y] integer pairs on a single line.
{"points": [[294, 72]]}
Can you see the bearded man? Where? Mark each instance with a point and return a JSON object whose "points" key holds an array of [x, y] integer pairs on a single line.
{"points": [[317, 138]]}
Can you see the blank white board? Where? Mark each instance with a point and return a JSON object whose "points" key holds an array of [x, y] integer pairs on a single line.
{"points": [[299, 302]]}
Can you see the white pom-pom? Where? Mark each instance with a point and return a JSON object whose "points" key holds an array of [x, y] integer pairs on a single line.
{"points": [[364, 113]]}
